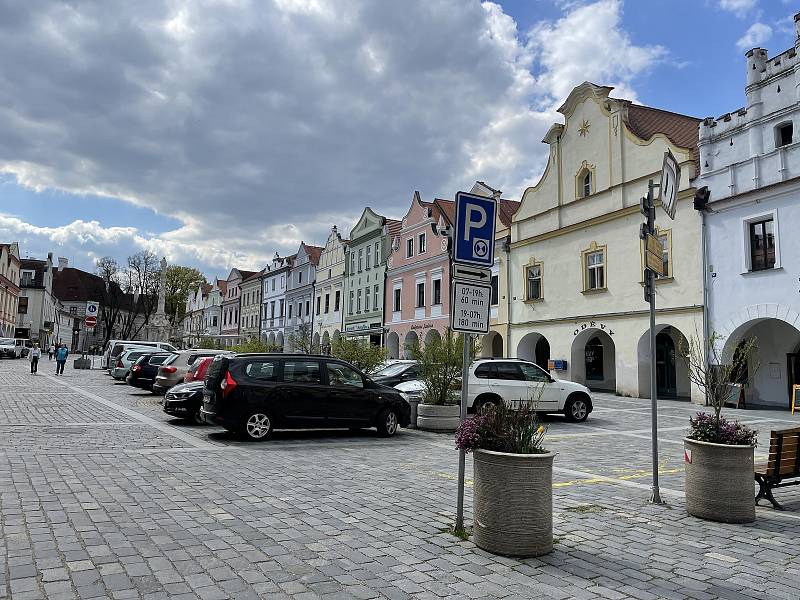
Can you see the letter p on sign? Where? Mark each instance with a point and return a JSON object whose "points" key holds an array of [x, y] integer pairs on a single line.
{"points": [[473, 223]]}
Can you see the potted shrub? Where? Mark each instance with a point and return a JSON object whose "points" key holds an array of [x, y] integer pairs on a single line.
{"points": [[440, 362], [513, 480], [718, 454]]}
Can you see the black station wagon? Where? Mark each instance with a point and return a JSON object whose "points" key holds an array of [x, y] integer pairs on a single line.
{"points": [[252, 394]]}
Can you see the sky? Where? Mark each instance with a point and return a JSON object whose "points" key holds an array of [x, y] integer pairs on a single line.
{"points": [[218, 132]]}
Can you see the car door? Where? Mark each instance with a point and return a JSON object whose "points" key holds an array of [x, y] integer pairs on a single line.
{"points": [[262, 386], [303, 393], [550, 390], [349, 401]]}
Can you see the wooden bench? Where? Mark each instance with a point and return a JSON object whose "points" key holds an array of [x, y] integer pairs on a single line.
{"points": [[783, 466]]}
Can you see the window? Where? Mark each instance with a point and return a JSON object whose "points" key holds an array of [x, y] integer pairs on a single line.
{"points": [[73, 310], [299, 277], [595, 270], [377, 254], [375, 299], [509, 371], [665, 250], [533, 277], [485, 371], [353, 261], [352, 296], [301, 371], [26, 278], [327, 303], [22, 307], [318, 304], [421, 243], [360, 259], [263, 370], [437, 291], [273, 285], [214, 321], [336, 301], [290, 311], [367, 252], [586, 184], [358, 301], [762, 245], [280, 304], [783, 134], [340, 375], [366, 300], [495, 285], [410, 247], [308, 311], [397, 304], [420, 294], [534, 372]]}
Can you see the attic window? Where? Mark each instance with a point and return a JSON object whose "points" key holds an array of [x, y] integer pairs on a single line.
{"points": [[783, 134], [584, 182]]}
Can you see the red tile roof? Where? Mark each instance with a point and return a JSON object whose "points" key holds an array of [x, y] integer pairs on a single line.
{"points": [[682, 130], [222, 284], [313, 253], [506, 211], [253, 275], [446, 208], [393, 226], [245, 274]]}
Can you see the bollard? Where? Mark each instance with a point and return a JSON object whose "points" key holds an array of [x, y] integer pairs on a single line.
{"points": [[413, 402]]}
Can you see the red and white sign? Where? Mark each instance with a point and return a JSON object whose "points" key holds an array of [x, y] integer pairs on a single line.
{"points": [[90, 322]]}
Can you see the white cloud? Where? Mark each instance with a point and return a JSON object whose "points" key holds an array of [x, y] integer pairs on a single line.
{"points": [[258, 125], [739, 7], [757, 34]]}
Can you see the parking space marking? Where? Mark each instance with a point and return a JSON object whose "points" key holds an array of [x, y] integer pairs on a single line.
{"points": [[162, 427]]}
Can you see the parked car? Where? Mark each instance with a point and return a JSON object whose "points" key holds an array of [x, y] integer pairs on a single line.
{"points": [[125, 361], [25, 346], [172, 371], [125, 347], [9, 348], [143, 371], [197, 370], [116, 347], [254, 393], [185, 400], [513, 380], [397, 372]]}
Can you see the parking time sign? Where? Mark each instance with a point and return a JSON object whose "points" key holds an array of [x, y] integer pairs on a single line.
{"points": [[473, 236]]}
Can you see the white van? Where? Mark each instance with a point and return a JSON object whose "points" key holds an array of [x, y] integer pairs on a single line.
{"points": [[116, 347], [10, 348]]}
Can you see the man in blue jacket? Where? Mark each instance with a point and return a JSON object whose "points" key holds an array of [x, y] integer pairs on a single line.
{"points": [[61, 358]]}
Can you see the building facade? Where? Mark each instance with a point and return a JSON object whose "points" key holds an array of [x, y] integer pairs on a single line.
{"points": [[416, 302], [577, 266], [194, 320], [231, 307], [750, 165], [273, 317], [250, 320], [329, 292], [37, 308], [365, 276], [300, 296], [9, 288]]}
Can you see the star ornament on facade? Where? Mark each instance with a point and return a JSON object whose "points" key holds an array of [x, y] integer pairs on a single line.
{"points": [[583, 130]]}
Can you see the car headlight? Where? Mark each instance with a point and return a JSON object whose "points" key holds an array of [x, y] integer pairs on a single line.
{"points": [[180, 395]]}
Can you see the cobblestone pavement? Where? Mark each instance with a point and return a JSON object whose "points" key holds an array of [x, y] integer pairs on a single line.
{"points": [[102, 495]]}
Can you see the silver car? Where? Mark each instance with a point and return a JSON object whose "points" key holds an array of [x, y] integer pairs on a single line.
{"points": [[123, 363], [176, 366]]}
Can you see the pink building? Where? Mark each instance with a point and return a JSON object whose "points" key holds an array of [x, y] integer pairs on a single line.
{"points": [[417, 292]]}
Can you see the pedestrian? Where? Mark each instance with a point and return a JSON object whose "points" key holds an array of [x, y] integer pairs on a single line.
{"points": [[61, 358], [34, 356], [50, 352]]}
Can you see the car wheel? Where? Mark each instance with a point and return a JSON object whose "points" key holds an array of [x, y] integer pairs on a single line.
{"points": [[388, 423], [257, 426], [197, 417], [487, 403], [577, 409]]}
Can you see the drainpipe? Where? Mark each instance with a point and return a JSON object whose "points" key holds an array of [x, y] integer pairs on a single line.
{"points": [[507, 250]]}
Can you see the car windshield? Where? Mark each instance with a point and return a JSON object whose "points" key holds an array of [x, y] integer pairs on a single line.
{"points": [[6, 341], [392, 370]]}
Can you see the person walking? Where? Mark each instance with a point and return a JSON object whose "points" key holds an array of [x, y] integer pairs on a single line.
{"points": [[61, 358], [50, 352], [34, 356]]}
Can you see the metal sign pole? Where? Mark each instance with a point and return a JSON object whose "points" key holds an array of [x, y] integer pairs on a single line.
{"points": [[461, 454]]}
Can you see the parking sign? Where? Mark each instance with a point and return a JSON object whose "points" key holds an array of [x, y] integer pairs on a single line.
{"points": [[473, 237]]}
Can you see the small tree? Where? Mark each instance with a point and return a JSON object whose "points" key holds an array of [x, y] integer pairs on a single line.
{"points": [[359, 353], [208, 343], [441, 361], [712, 368], [302, 341], [255, 346]]}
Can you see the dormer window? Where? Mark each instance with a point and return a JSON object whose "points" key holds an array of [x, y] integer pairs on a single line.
{"points": [[584, 181], [783, 134], [586, 184]]}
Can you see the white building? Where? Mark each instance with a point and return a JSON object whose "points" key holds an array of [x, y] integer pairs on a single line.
{"points": [[329, 304], [300, 295], [576, 262], [37, 309], [750, 163], [273, 312]]}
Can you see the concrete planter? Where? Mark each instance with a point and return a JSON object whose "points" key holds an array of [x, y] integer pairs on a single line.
{"points": [[435, 417], [513, 503], [719, 482], [82, 363]]}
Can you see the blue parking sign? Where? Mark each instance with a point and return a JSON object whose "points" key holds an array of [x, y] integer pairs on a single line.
{"points": [[473, 237]]}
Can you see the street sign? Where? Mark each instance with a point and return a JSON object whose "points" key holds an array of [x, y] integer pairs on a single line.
{"points": [[670, 180], [654, 245], [473, 237], [90, 322], [469, 312], [654, 262], [92, 308], [466, 272]]}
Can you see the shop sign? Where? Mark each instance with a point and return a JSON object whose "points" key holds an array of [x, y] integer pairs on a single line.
{"points": [[594, 325]]}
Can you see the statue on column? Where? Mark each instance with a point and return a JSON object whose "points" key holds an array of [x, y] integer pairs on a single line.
{"points": [[159, 324], [162, 288]]}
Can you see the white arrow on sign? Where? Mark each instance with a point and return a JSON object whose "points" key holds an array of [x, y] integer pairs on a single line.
{"points": [[471, 273]]}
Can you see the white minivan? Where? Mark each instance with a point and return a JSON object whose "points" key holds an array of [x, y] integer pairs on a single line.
{"points": [[116, 347], [10, 348]]}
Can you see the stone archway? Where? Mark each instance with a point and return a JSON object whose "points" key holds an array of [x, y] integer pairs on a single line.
{"points": [[492, 345], [279, 340], [535, 348], [411, 340], [393, 345], [432, 335], [593, 360], [672, 372], [315, 342], [271, 339]]}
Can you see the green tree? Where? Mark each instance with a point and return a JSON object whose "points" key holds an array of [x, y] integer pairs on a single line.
{"points": [[208, 343], [253, 345], [180, 282], [441, 362], [302, 342], [359, 353]]}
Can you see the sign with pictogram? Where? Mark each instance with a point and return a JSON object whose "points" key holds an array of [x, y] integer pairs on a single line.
{"points": [[473, 235], [90, 322], [670, 180]]}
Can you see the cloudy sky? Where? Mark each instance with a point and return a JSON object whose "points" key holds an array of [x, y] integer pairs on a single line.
{"points": [[218, 132]]}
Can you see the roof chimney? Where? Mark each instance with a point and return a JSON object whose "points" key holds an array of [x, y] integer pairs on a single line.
{"points": [[63, 263]]}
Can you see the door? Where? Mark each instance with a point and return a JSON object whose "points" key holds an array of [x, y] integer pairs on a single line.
{"points": [[538, 379], [665, 366], [594, 360], [348, 400], [794, 372], [303, 393]]}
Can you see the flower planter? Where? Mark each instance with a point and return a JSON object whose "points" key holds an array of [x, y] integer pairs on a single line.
{"points": [[513, 503], [719, 482], [435, 417]]}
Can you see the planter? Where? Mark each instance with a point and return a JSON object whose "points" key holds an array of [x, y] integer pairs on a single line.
{"points": [[719, 482], [513, 503], [436, 417], [82, 363]]}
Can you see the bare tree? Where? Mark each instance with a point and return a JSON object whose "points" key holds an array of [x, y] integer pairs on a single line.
{"points": [[110, 296], [713, 368], [142, 286], [302, 341]]}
